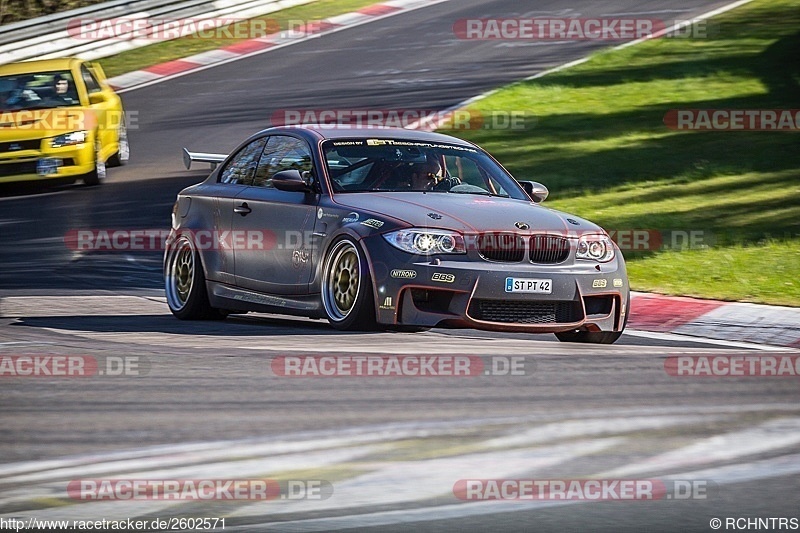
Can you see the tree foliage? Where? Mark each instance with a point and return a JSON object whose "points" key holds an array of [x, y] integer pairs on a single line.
{"points": [[16, 10]]}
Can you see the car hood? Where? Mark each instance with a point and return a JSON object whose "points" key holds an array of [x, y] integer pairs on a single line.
{"points": [[41, 123], [463, 212]]}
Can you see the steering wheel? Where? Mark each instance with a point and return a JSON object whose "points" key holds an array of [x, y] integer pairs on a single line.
{"points": [[447, 183]]}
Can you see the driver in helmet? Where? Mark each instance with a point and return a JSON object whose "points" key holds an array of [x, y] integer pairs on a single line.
{"points": [[427, 175]]}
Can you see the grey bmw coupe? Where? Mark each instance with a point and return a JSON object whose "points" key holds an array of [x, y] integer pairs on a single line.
{"points": [[387, 228]]}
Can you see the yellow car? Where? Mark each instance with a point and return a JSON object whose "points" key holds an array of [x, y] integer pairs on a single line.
{"points": [[59, 119]]}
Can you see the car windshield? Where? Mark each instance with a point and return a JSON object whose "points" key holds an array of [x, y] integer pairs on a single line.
{"points": [[373, 165], [40, 90]]}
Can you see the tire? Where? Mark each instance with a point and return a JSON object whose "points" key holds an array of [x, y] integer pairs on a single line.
{"points": [[98, 175], [185, 283], [596, 337], [124, 152], [347, 295], [402, 328], [592, 337]]}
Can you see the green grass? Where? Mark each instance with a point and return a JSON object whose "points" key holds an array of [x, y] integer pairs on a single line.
{"points": [[595, 136], [169, 50]]}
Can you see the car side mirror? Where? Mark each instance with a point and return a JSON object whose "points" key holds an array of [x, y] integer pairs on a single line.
{"points": [[536, 191], [290, 181], [96, 98]]}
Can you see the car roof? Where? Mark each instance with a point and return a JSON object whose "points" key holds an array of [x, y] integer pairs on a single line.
{"points": [[347, 132], [40, 65]]}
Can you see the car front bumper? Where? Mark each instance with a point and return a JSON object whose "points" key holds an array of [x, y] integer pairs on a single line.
{"points": [[468, 291], [71, 161]]}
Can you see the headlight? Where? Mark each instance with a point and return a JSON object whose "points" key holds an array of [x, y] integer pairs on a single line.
{"points": [[595, 247], [69, 139], [427, 242]]}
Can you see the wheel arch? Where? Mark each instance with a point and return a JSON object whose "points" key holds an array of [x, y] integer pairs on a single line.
{"points": [[365, 263]]}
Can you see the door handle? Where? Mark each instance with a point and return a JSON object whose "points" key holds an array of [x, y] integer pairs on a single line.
{"points": [[242, 209]]}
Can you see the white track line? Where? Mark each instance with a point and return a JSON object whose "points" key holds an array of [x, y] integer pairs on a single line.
{"points": [[785, 465], [766, 469], [262, 468], [597, 427], [155, 456], [418, 481], [179, 455], [773, 435]]}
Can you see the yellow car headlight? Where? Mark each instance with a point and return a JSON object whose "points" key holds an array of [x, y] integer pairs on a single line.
{"points": [[69, 139]]}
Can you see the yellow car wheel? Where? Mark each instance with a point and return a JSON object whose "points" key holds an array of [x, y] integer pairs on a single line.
{"points": [[124, 150], [98, 175]]}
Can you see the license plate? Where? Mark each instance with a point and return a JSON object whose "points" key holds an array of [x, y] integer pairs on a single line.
{"points": [[47, 166], [526, 285]]}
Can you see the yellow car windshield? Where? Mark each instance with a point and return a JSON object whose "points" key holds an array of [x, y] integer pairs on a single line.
{"points": [[40, 90]]}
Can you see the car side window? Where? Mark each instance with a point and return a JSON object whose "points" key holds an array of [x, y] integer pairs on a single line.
{"points": [[468, 171], [242, 166], [92, 85], [282, 153]]}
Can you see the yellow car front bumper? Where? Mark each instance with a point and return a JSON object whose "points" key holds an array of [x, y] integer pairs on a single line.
{"points": [[47, 163]]}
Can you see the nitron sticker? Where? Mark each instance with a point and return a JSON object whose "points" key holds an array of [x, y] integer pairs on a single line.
{"points": [[372, 223]]}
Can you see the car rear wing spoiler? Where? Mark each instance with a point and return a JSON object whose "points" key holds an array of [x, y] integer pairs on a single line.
{"points": [[202, 157]]}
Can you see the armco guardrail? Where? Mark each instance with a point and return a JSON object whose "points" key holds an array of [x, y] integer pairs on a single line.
{"points": [[48, 37], [57, 21]]}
